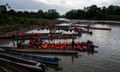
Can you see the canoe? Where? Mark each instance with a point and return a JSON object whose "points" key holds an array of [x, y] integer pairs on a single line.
{"points": [[46, 51], [81, 46], [95, 28], [53, 36], [27, 64], [17, 37], [28, 36], [98, 28], [81, 30], [44, 37], [39, 34], [46, 60]]}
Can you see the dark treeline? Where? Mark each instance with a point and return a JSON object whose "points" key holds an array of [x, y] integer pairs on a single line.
{"points": [[93, 12], [11, 19], [50, 14], [12, 16]]}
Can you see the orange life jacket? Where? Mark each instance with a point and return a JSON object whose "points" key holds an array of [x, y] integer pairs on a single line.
{"points": [[61, 46], [45, 45], [78, 46]]}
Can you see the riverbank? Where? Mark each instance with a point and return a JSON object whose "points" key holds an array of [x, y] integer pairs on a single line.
{"points": [[21, 24]]}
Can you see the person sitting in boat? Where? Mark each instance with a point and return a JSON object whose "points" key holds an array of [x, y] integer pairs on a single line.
{"points": [[13, 34], [78, 46], [89, 42], [45, 45], [90, 45], [59, 45], [34, 46], [53, 46], [18, 44], [49, 34], [73, 43]]}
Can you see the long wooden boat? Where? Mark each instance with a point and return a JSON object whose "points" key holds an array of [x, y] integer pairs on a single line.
{"points": [[33, 37], [46, 60], [28, 36], [98, 28], [95, 28], [28, 64], [43, 34], [81, 46], [82, 31]]}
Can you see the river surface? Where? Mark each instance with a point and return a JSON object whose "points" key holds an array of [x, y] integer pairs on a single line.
{"points": [[105, 59]]}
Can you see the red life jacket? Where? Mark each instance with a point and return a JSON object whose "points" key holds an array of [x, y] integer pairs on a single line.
{"points": [[49, 34], [52, 46], [83, 47], [39, 46], [38, 34], [12, 33], [33, 34], [78, 46], [34, 46]]}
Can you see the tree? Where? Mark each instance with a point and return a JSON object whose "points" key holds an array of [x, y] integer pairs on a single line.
{"points": [[12, 12], [51, 14], [92, 12], [3, 9], [72, 14], [40, 14]]}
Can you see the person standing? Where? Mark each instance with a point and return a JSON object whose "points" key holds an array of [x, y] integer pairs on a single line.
{"points": [[73, 43]]}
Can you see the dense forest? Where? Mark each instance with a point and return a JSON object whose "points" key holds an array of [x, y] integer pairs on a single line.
{"points": [[93, 12], [12, 15]]}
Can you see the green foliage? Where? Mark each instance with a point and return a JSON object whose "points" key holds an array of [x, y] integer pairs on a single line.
{"points": [[50, 14], [9, 22], [94, 12]]}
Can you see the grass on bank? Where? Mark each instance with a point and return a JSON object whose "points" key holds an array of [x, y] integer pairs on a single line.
{"points": [[12, 23]]}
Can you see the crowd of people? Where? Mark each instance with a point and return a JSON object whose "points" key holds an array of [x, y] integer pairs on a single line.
{"points": [[63, 45]]}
